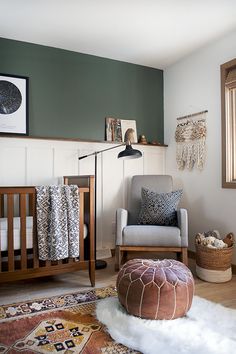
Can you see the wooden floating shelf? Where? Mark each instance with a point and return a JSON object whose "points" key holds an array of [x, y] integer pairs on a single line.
{"points": [[72, 139]]}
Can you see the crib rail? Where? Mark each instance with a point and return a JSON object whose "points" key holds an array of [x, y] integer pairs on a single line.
{"points": [[22, 263]]}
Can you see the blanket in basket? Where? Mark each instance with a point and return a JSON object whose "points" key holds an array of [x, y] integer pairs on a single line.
{"points": [[57, 221]]}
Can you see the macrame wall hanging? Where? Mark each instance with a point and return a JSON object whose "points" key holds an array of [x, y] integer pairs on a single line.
{"points": [[190, 137]]}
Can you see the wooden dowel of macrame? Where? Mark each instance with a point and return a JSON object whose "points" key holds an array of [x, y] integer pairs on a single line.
{"points": [[192, 115]]}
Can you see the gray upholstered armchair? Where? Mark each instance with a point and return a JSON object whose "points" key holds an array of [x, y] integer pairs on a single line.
{"points": [[131, 236]]}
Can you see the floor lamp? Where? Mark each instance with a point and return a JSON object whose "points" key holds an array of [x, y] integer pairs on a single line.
{"points": [[128, 153]]}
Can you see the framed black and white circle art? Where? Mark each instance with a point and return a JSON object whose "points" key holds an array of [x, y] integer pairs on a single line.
{"points": [[13, 104]]}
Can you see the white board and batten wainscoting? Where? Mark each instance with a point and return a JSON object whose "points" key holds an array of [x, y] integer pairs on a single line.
{"points": [[32, 162]]}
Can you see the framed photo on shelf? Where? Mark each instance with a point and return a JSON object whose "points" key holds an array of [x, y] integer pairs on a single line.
{"points": [[13, 104], [113, 130], [129, 130]]}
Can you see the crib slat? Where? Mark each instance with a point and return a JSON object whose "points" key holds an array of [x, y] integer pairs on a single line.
{"points": [[10, 214], [23, 231], [1, 205], [0, 252], [1, 215], [31, 204], [81, 226], [35, 241]]}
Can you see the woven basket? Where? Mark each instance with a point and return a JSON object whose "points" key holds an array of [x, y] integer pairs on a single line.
{"points": [[214, 258], [214, 276]]}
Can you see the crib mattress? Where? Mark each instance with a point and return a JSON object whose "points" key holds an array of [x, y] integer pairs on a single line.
{"points": [[16, 233]]}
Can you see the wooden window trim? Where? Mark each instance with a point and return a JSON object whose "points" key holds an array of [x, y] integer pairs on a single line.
{"points": [[228, 158]]}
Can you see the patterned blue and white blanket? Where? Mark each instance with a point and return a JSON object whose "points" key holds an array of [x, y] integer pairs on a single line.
{"points": [[57, 221]]}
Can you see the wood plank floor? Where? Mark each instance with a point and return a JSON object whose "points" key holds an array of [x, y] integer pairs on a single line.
{"points": [[224, 293]]}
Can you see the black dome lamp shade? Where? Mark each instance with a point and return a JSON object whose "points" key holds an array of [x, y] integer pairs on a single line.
{"points": [[129, 152]]}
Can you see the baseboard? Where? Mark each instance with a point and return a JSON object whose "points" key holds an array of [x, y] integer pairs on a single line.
{"points": [[103, 253], [192, 254]]}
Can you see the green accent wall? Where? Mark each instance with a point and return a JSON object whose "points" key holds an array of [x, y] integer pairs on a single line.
{"points": [[70, 93]]}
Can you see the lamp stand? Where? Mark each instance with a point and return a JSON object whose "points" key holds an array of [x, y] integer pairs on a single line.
{"points": [[99, 263], [129, 152]]}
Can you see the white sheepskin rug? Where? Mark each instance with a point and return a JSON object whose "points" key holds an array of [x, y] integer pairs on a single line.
{"points": [[208, 328]]}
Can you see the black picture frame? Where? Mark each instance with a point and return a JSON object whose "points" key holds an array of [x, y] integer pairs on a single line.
{"points": [[14, 104]]}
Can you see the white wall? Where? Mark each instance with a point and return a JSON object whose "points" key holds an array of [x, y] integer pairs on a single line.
{"points": [[193, 85], [25, 161]]}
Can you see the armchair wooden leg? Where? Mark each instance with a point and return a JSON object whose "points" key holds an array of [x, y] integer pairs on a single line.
{"points": [[117, 258], [184, 255]]}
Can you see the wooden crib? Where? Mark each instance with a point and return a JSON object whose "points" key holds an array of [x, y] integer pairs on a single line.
{"points": [[18, 247]]}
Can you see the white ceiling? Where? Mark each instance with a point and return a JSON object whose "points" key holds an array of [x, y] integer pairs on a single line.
{"points": [[154, 33]]}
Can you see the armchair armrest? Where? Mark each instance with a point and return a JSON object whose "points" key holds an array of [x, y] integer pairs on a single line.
{"points": [[121, 222], [182, 216]]}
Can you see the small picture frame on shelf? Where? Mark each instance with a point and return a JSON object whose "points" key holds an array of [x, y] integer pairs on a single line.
{"points": [[13, 104]]}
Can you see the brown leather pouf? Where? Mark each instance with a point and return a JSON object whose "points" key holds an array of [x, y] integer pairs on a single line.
{"points": [[155, 289]]}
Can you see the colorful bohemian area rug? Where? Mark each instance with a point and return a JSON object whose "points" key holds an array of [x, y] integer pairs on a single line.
{"points": [[60, 324]]}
